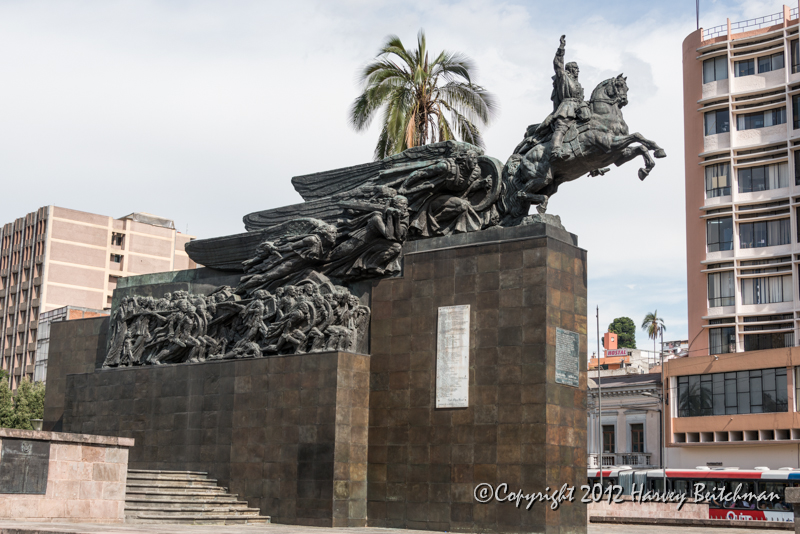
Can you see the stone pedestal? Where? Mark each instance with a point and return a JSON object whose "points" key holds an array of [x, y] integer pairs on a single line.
{"points": [[520, 427], [339, 439], [287, 434]]}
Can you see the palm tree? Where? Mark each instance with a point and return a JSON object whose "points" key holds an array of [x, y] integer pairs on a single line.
{"points": [[416, 93], [654, 325]]}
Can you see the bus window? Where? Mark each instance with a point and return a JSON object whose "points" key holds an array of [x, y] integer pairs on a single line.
{"points": [[656, 484], [712, 487], [747, 487], [729, 486], [778, 488], [682, 486]]}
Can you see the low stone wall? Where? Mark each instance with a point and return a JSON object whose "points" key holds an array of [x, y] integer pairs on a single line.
{"points": [[630, 508], [86, 479]]}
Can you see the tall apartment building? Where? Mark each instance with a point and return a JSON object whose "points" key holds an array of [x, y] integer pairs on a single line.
{"points": [[732, 401], [56, 257]]}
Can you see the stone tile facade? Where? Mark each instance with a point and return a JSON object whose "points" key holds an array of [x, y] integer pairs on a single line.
{"points": [[77, 346], [85, 480], [520, 427], [288, 434], [339, 439]]}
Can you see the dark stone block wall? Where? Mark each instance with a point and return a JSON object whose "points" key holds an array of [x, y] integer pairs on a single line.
{"points": [[339, 439], [288, 434], [76, 346], [521, 427]]}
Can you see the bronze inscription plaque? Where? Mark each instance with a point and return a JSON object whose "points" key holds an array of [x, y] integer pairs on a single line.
{"points": [[23, 466]]}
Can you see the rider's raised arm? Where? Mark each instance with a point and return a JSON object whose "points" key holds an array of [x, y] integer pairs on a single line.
{"points": [[558, 61]]}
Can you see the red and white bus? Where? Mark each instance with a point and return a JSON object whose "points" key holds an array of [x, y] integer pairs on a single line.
{"points": [[683, 480]]}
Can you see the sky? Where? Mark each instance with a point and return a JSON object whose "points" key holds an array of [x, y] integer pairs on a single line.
{"points": [[202, 111]]}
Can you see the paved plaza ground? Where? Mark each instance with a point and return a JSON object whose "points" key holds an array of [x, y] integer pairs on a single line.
{"points": [[18, 527]]}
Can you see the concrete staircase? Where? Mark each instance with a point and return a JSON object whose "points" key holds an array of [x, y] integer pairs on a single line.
{"points": [[186, 497]]}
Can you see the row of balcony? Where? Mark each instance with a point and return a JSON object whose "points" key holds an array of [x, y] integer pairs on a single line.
{"points": [[611, 459]]}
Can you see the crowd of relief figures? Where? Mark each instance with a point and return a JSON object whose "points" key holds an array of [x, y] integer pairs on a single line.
{"points": [[312, 316]]}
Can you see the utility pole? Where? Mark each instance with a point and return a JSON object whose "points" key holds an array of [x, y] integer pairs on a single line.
{"points": [[697, 10], [663, 417], [599, 403]]}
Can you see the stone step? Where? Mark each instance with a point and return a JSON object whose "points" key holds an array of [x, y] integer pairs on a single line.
{"points": [[192, 478], [194, 510], [184, 497], [172, 483], [175, 491], [192, 519], [187, 506], [225, 499], [165, 476], [161, 471]]}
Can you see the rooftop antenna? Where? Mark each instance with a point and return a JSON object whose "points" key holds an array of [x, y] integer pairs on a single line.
{"points": [[697, 10]]}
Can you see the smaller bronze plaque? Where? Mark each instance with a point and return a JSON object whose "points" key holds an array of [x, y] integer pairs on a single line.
{"points": [[568, 367], [23, 466]]}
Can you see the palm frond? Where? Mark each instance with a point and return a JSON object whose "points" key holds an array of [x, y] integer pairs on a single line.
{"points": [[414, 91]]}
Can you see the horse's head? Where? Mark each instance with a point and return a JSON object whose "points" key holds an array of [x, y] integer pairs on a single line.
{"points": [[612, 91], [621, 87]]}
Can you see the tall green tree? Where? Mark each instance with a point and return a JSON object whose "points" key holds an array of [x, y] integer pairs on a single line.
{"points": [[654, 326], [24, 408], [625, 329], [417, 95], [6, 403], [17, 409]]}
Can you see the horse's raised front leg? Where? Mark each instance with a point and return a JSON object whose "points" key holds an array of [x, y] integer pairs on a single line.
{"points": [[658, 152], [624, 141], [639, 150]]}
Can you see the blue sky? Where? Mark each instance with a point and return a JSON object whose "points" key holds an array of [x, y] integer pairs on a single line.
{"points": [[202, 111]]}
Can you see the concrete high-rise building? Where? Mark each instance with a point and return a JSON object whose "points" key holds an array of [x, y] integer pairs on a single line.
{"points": [[733, 400], [57, 257]]}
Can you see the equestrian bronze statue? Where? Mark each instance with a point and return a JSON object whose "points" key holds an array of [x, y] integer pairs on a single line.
{"points": [[577, 138]]}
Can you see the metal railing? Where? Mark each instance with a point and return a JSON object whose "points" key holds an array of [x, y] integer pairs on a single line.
{"points": [[716, 31], [757, 23], [748, 25], [793, 13], [621, 458]]}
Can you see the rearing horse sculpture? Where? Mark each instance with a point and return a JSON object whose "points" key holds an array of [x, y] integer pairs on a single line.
{"points": [[531, 176]]}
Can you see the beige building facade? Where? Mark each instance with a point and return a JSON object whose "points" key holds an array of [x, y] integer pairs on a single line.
{"points": [[732, 399], [57, 257]]}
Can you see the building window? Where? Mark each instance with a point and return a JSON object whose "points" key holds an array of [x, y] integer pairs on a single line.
{"points": [[744, 68], [796, 369], [774, 340], [740, 392], [608, 439], [795, 115], [765, 234], [719, 233], [720, 289], [770, 63], [715, 69], [767, 290], [795, 56], [717, 122], [116, 239], [116, 258], [763, 177], [718, 180], [722, 340], [637, 437], [761, 119]]}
